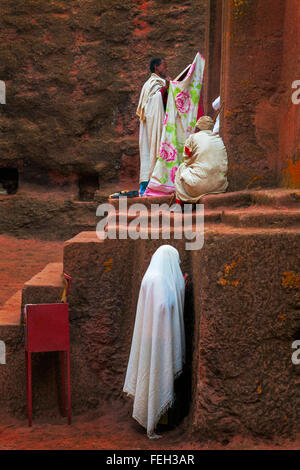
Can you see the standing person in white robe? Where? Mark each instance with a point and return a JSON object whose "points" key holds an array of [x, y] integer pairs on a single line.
{"points": [[151, 113], [157, 351], [205, 165]]}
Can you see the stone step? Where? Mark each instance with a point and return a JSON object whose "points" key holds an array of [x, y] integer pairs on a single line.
{"points": [[277, 198], [251, 216], [120, 204], [262, 217], [44, 287], [10, 311], [210, 201], [148, 233], [157, 217], [236, 218], [234, 200]]}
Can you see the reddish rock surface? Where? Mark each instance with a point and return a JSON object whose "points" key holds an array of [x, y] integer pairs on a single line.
{"points": [[289, 137], [74, 71], [46, 215], [259, 64], [244, 280]]}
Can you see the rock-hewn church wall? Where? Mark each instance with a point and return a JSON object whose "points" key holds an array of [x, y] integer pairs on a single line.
{"points": [[252, 90], [73, 72], [260, 62], [289, 137]]}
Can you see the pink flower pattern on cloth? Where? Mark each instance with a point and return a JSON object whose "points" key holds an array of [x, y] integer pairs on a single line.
{"points": [[166, 119], [173, 174], [183, 102], [168, 152]]}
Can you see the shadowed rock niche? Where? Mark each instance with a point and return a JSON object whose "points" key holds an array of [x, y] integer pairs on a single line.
{"points": [[88, 185], [9, 180]]}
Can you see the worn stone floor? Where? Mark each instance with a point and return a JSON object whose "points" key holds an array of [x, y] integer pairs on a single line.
{"points": [[111, 428]]}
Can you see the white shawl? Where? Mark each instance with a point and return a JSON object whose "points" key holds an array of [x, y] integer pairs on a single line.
{"points": [[158, 344], [150, 88]]}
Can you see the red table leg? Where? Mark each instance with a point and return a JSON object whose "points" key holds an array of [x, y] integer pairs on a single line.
{"points": [[29, 389], [26, 375], [63, 381], [69, 387]]}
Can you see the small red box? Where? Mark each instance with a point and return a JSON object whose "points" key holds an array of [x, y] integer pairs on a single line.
{"points": [[47, 327]]}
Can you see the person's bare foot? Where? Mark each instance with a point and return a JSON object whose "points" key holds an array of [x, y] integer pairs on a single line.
{"points": [[154, 436]]}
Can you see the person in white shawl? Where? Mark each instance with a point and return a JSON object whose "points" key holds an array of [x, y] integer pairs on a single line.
{"points": [[157, 352], [205, 165], [151, 113]]}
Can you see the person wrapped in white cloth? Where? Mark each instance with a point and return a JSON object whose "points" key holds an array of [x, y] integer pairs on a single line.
{"points": [[157, 352], [205, 165]]}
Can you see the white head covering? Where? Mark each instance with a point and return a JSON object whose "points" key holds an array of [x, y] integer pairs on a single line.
{"points": [[216, 105], [158, 344]]}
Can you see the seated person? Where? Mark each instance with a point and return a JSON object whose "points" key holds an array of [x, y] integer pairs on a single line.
{"points": [[204, 169]]}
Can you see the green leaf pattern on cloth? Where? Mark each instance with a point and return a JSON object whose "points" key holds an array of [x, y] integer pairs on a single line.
{"points": [[164, 178]]}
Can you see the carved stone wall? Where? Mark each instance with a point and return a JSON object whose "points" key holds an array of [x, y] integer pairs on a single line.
{"points": [[73, 72]]}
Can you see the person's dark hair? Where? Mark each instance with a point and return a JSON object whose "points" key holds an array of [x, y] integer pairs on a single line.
{"points": [[155, 63]]}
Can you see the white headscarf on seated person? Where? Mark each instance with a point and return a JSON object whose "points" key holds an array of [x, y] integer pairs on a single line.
{"points": [[216, 105], [158, 345]]}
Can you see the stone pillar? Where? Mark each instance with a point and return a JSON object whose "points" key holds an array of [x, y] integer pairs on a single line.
{"points": [[251, 90], [212, 54], [289, 136]]}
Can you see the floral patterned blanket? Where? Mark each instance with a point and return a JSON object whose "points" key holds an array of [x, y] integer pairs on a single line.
{"points": [[180, 121]]}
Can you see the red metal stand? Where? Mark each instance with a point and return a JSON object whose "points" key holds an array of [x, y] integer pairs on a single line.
{"points": [[47, 329]]}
